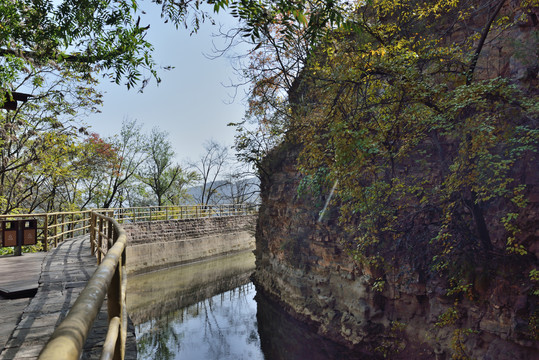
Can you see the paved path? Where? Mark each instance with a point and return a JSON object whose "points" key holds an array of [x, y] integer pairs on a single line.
{"points": [[64, 273], [19, 277]]}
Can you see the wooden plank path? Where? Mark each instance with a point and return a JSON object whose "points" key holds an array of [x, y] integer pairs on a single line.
{"points": [[19, 278], [65, 271], [19, 275]]}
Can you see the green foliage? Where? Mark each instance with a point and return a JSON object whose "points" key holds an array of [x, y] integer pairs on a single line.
{"points": [[39, 144], [291, 16], [449, 317], [458, 346], [378, 285], [84, 36], [25, 249], [420, 144], [158, 170], [315, 185], [393, 342], [534, 277]]}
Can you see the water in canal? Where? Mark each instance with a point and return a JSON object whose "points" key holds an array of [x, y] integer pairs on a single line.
{"points": [[210, 310]]}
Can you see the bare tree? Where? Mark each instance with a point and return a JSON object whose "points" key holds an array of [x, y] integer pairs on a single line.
{"points": [[178, 192], [210, 167], [241, 186], [129, 146], [158, 170]]}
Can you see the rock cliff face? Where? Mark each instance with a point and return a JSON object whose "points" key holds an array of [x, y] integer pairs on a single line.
{"points": [[302, 264]]}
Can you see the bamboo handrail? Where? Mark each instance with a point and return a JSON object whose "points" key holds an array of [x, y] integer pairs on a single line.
{"points": [[69, 337], [108, 238]]}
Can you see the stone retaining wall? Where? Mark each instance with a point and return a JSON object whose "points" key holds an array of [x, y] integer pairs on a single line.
{"points": [[161, 244]]}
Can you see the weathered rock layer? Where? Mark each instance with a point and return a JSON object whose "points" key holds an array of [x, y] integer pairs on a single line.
{"points": [[302, 261], [302, 264]]}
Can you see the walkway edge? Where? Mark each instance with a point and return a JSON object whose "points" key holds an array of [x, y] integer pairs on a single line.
{"points": [[64, 274]]}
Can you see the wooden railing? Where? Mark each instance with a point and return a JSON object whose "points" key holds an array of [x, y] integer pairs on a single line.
{"points": [[53, 228], [108, 240], [163, 213], [108, 243]]}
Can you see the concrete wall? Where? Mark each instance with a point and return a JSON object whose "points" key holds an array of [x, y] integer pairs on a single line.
{"points": [[158, 245], [155, 294]]}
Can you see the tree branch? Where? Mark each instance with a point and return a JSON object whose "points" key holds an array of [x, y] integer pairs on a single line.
{"points": [[486, 30]]}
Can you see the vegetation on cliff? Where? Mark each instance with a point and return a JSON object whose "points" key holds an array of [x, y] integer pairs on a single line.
{"points": [[422, 115], [421, 130]]}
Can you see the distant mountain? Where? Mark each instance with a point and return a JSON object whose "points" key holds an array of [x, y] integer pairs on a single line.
{"points": [[228, 192]]}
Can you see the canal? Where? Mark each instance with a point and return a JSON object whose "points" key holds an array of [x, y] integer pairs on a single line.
{"points": [[211, 310]]}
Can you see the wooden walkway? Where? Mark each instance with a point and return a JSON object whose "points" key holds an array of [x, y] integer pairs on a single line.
{"points": [[19, 278], [63, 274], [19, 275]]}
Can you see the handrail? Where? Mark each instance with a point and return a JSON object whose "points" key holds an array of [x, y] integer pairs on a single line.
{"points": [[108, 243], [53, 228], [109, 279], [178, 212]]}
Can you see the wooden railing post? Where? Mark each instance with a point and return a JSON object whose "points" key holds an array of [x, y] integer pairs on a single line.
{"points": [[72, 226], [55, 221], [114, 302], [110, 234], [99, 240], [123, 302], [62, 228], [92, 232], [46, 233], [88, 219], [114, 307]]}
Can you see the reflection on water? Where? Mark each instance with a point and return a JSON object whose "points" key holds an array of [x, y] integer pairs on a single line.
{"points": [[285, 338], [221, 327], [208, 311], [156, 294]]}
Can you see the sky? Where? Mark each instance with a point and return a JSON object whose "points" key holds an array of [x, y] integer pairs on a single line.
{"points": [[191, 104]]}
